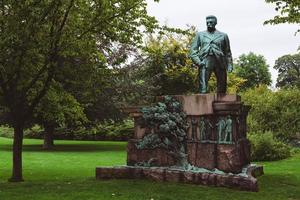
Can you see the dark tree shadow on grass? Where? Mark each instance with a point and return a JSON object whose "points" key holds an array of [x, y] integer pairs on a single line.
{"points": [[71, 147]]}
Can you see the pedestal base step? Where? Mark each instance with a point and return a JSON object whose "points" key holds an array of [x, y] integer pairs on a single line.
{"points": [[246, 181]]}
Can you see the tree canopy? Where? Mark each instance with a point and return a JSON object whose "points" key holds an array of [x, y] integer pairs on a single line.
{"points": [[254, 69], [39, 38], [288, 67]]}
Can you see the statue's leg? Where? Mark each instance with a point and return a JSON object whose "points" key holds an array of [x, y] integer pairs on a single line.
{"points": [[209, 68], [202, 80], [226, 136], [221, 75]]}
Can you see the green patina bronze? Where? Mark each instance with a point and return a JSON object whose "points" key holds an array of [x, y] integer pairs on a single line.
{"points": [[210, 51], [224, 130], [194, 123], [202, 129], [205, 130], [167, 125]]}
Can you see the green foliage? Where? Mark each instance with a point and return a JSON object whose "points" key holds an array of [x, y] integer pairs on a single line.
{"points": [[288, 67], [41, 40], [234, 83], [6, 131], [254, 69], [59, 108], [166, 59], [278, 111], [265, 148], [289, 12], [167, 125], [108, 130]]}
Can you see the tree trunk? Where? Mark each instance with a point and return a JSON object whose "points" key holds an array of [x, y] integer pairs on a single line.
{"points": [[48, 138], [17, 155]]}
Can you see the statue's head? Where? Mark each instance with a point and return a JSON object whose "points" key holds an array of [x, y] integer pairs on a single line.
{"points": [[211, 22]]}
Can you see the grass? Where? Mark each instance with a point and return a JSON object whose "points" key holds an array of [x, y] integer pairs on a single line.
{"points": [[67, 173]]}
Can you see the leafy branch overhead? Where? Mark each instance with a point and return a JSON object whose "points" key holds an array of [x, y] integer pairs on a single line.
{"points": [[289, 12]]}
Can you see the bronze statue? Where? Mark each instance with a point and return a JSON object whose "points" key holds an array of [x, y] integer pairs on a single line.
{"points": [[210, 51]]}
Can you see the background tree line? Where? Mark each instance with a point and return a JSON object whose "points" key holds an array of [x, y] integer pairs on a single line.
{"points": [[71, 65]]}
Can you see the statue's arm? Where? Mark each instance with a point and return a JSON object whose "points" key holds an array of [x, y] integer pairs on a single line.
{"points": [[228, 54], [194, 51]]}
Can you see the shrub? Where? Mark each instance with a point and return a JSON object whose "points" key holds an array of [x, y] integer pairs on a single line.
{"points": [[278, 112], [109, 130], [35, 132], [6, 131], [264, 147]]}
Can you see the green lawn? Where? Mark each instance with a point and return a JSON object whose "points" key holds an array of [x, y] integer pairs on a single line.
{"points": [[68, 173]]}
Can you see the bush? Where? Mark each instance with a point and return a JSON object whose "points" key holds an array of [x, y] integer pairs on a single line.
{"points": [[278, 112], [6, 131], [265, 148], [110, 130], [36, 132]]}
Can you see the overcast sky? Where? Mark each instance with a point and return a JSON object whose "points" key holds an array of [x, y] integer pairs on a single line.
{"points": [[242, 20]]}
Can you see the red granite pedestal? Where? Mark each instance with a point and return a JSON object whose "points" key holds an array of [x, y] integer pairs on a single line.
{"points": [[204, 149], [247, 181]]}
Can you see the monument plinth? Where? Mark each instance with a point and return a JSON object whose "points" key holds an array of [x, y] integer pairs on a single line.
{"points": [[212, 149]]}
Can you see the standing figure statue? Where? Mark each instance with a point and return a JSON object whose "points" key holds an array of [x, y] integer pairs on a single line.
{"points": [[210, 51], [228, 130], [221, 126], [202, 128], [194, 128]]}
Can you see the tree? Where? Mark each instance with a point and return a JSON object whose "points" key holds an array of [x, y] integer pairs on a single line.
{"points": [[58, 109], [289, 12], [38, 37], [254, 69], [288, 67], [166, 60]]}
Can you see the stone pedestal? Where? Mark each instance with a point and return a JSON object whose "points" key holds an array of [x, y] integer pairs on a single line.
{"points": [[247, 182], [205, 148], [215, 140]]}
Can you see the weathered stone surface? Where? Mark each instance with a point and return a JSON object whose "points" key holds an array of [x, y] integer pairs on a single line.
{"points": [[204, 178], [206, 155], [226, 106], [198, 104], [155, 174], [198, 178], [174, 176], [137, 173], [116, 172], [121, 172], [221, 180], [192, 152], [188, 177], [132, 153], [164, 174], [138, 130], [212, 179], [209, 153], [104, 172], [244, 149], [227, 97], [232, 158], [158, 156], [229, 158]]}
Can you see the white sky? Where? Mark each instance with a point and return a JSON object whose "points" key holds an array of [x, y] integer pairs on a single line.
{"points": [[242, 20]]}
